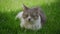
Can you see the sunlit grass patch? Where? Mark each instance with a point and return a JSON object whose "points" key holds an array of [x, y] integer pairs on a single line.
{"points": [[14, 5]]}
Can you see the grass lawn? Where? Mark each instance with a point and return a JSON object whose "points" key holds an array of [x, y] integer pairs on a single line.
{"points": [[9, 9]]}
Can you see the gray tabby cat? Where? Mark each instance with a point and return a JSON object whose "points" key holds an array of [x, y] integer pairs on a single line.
{"points": [[31, 18]]}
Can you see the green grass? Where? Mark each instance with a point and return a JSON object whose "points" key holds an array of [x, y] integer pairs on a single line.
{"points": [[9, 9]]}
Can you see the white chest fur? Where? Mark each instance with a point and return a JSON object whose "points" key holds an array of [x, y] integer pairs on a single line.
{"points": [[35, 26]]}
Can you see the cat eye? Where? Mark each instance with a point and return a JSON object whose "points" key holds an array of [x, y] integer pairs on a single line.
{"points": [[25, 16], [35, 16]]}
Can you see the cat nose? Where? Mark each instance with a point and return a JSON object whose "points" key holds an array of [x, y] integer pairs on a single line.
{"points": [[29, 19]]}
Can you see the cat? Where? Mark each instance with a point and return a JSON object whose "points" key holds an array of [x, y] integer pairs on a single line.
{"points": [[31, 18]]}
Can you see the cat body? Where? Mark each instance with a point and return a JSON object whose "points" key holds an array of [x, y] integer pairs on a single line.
{"points": [[31, 18], [36, 25]]}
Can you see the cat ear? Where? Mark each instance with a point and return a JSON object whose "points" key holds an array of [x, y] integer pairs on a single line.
{"points": [[25, 7]]}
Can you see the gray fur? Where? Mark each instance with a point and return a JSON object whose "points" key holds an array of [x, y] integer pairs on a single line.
{"points": [[39, 11]]}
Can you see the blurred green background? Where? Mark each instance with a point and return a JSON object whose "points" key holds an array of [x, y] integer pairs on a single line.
{"points": [[10, 8]]}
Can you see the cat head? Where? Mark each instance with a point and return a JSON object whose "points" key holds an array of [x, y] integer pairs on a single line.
{"points": [[30, 14]]}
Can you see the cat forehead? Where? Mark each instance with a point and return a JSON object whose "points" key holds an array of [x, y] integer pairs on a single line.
{"points": [[30, 11]]}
